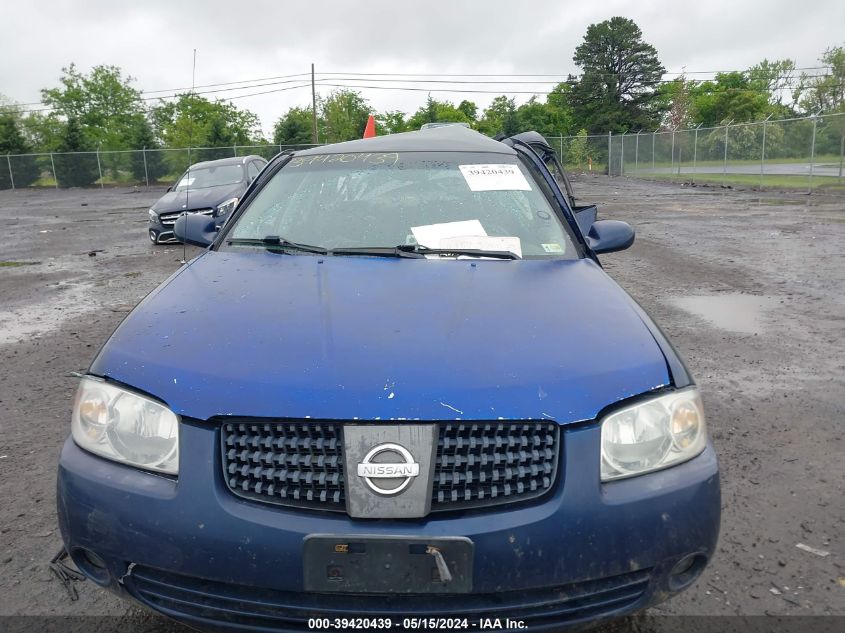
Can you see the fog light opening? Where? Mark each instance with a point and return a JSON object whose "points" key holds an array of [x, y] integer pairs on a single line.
{"points": [[90, 564], [686, 571]]}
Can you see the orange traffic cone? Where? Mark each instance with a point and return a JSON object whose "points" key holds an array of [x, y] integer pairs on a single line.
{"points": [[370, 130]]}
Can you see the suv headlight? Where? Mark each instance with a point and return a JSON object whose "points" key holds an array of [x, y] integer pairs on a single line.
{"points": [[153, 216], [125, 426], [226, 207], [651, 435]]}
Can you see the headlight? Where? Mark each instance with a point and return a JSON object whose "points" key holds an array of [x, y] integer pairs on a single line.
{"points": [[651, 435], [153, 216], [126, 427], [226, 207]]}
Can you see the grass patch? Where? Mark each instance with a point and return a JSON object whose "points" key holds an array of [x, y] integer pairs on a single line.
{"points": [[644, 162], [16, 264], [827, 183]]}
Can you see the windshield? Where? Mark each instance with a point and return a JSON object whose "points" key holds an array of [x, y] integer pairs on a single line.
{"points": [[439, 200], [205, 177]]}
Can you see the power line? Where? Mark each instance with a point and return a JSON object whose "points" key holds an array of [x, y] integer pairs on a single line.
{"points": [[229, 83], [682, 72], [381, 77], [412, 77]]}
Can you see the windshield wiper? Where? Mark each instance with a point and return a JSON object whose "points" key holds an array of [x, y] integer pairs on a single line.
{"points": [[468, 252], [377, 251], [271, 241]]}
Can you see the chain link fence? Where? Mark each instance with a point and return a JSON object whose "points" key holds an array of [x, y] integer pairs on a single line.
{"points": [[806, 154], [583, 153], [799, 154], [105, 168]]}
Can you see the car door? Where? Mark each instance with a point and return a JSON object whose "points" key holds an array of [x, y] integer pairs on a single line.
{"points": [[585, 215]]}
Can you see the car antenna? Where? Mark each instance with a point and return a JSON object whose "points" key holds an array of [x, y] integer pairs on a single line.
{"points": [[190, 142]]}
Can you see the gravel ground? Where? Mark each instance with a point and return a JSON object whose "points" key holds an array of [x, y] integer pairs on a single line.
{"points": [[750, 287]]}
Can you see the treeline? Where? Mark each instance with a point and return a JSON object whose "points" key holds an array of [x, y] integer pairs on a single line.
{"points": [[620, 89]]}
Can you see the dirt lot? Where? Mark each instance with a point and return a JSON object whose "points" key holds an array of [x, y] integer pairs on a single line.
{"points": [[750, 289]]}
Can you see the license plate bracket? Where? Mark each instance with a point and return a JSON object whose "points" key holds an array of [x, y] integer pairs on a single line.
{"points": [[385, 564]]}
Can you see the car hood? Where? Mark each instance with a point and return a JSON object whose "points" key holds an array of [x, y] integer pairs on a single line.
{"points": [[197, 198], [264, 334]]}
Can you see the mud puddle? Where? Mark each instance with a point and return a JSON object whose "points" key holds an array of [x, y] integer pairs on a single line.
{"points": [[62, 302], [735, 312]]}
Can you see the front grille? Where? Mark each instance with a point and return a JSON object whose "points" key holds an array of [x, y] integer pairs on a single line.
{"points": [[478, 464], [236, 607], [169, 219], [291, 464], [486, 464]]}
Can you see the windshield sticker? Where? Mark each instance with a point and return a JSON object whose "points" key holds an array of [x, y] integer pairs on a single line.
{"points": [[487, 243], [431, 235], [553, 248], [494, 178], [390, 159]]}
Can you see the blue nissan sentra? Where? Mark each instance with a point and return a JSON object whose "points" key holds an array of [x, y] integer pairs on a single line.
{"points": [[397, 390]]}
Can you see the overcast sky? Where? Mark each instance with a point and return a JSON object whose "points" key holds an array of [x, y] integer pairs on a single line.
{"points": [[153, 41]]}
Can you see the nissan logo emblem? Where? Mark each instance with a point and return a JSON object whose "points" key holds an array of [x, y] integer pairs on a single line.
{"points": [[401, 467]]}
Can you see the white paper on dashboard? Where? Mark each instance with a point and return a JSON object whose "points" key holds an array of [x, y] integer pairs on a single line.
{"points": [[488, 243], [494, 178], [430, 235]]}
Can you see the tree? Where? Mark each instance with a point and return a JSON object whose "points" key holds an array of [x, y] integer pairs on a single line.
{"points": [[775, 79], [435, 111], [619, 74], [103, 102], [559, 107], [25, 169], [294, 128], [678, 103], [576, 156], [546, 118], [729, 97], [194, 121], [500, 117], [345, 113], [469, 109], [391, 122], [826, 93], [218, 135], [43, 132], [75, 170], [145, 165], [744, 141]]}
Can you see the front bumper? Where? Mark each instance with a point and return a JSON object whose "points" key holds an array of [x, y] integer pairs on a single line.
{"points": [[161, 233], [194, 551]]}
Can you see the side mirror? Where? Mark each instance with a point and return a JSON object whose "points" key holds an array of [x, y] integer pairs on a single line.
{"points": [[170, 188], [196, 229], [608, 236]]}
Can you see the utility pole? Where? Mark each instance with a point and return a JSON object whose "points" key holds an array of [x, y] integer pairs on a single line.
{"points": [[313, 106]]}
